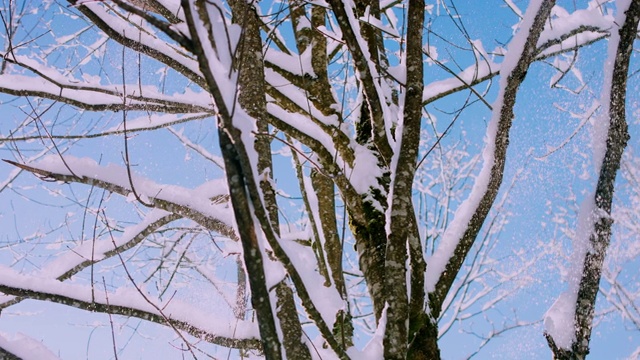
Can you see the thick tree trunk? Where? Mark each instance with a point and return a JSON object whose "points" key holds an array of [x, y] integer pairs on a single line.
{"points": [[251, 97], [401, 211], [425, 343], [371, 244]]}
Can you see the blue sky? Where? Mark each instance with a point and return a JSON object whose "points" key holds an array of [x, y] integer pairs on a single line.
{"points": [[537, 125]]}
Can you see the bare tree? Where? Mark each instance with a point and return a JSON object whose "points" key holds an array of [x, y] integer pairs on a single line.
{"points": [[594, 233], [618, 288], [340, 90]]}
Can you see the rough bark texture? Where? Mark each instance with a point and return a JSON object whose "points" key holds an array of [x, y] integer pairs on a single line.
{"points": [[6, 355], [617, 138], [251, 97], [425, 342], [397, 296], [316, 243], [332, 245], [500, 154], [238, 181], [370, 236], [104, 307], [423, 334], [294, 348]]}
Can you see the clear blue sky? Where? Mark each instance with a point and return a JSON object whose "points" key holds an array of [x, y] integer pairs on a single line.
{"points": [[537, 125]]}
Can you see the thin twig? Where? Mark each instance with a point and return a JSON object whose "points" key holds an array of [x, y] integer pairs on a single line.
{"points": [[113, 335]]}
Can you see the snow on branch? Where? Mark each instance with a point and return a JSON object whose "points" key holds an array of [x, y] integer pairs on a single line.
{"points": [[201, 324], [140, 38], [87, 254], [581, 28], [367, 73], [459, 236], [143, 123], [50, 84], [568, 322], [22, 347], [567, 31], [472, 75], [204, 205]]}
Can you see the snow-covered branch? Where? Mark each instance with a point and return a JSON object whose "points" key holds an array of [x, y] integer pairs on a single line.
{"points": [[459, 237], [202, 205], [127, 302], [51, 84], [568, 322]]}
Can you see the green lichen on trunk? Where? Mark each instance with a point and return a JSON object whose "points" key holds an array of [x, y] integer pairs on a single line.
{"points": [[371, 242], [294, 348], [325, 193], [343, 329]]}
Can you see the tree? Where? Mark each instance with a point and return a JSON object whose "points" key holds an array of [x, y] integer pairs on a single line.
{"points": [[594, 220], [618, 289], [339, 88]]}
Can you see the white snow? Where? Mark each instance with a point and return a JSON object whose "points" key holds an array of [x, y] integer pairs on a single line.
{"points": [[219, 39], [327, 300], [298, 97], [484, 68], [294, 64], [563, 23], [559, 320], [131, 298], [197, 199], [601, 125], [89, 90], [367, 18], [374, 349], [156, 121], [129, 31], [96, 250], [25, 347], [453, 234], [365, 170]]}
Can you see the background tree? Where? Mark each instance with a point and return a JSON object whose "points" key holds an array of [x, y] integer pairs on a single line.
{"points": [[396, 233]]}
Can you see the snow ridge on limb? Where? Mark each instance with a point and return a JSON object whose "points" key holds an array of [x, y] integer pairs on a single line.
{"points": [[193, 204], [458, 238], [236, 130], [125, 33], [569, 35], [128, 302], [22, 347], [208, 26], [567, 31], [367, 74], [568, 322], [87, 254], [51, 84]]}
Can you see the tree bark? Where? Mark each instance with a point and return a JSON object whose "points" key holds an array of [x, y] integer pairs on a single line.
{"points": [[500, 145], [251, 97], [600, 237], [401, 209]]}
